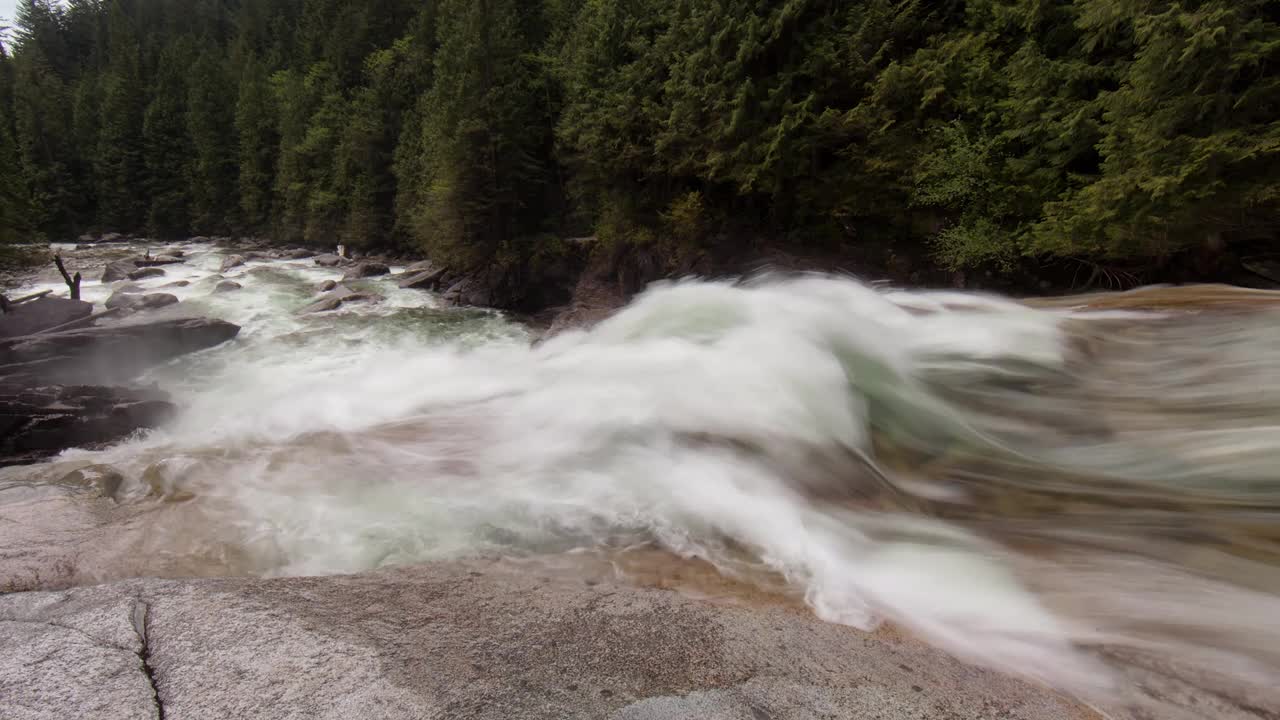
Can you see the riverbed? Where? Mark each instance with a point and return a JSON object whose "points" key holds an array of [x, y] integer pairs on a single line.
{"points": [[1040, 488]]}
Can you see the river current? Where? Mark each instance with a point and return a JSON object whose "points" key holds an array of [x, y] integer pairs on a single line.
{"points": [[1019, 485]]}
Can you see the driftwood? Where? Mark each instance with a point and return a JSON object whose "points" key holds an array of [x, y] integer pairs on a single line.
{"points": [[6, 304], [73, 284], [73, 325]]}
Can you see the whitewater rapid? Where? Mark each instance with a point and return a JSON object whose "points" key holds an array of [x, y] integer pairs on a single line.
{"points": [[1015, 485]]}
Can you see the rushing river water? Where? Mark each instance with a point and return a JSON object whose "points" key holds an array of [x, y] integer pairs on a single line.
{"points": [[1014, 484]]}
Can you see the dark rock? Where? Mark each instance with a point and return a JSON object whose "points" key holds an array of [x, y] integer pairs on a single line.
{"points": [[42, 421], [366, 269], [230, 262], [296, 254], [134, 301], [469, 291], [176, 284], [227, 286], [423, 280], [158, 300], [146, 272], [107, 354], [339, 296], [418, 267], [118, 270], [173, 252], [87, 239], [156, 261], [328, 285], [112, 237], [328, 260], [122, 299], [42, 314]]}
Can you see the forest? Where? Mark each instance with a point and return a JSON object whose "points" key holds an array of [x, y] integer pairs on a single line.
{"points": [[989, 133]]}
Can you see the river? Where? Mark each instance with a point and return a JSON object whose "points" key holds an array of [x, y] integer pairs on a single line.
{"points": [[1018, 485]]}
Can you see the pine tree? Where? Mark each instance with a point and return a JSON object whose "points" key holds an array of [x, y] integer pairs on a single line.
{"points": [[119, 167], [211, 125], [167, 145], [255, 127]]}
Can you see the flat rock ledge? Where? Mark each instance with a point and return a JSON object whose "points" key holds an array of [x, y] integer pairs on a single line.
{"points": [[472, 639]]}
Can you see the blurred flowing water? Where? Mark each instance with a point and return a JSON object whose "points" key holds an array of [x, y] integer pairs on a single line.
{"points": [[1031, 488]]}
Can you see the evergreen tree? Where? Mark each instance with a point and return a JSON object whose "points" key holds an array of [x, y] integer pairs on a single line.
{"points": [[255, 127], [119, 168], [211, 126], [166, 144]]}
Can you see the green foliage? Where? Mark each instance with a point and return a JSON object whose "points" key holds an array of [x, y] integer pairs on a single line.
{"points": [[477, 130]]}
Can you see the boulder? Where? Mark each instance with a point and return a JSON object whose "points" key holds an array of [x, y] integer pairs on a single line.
{"points": [[146, 272], [176, 284], [112, 237], [227, 286], [329, 260], [134, 301], [469, 291], [41, 314], [121, 299], [230, 262], [152, 301], [108, 354], [86, 239], [328, 285], [42, 421], [173, 252], [470, 640], [337, 297], [420, 266], [422, 280], [118, 270], [105, 480], [366, 269], [296, 254]]}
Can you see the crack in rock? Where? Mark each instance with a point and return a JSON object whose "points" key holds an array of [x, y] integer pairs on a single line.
{"points": [[141, 613]]}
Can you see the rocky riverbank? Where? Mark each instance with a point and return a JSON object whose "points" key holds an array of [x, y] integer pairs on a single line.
{"points": [[467, 640]]}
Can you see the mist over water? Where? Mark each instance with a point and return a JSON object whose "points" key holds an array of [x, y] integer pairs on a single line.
{"points": [[1015, 485]]}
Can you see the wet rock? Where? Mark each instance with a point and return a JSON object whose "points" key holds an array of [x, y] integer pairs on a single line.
{"points": [[146, 272], [418, 267], [337, 297], [42, 421], [366, 269], [428, 279], [103, 479], [111, 238], [328, 285], [467, 640], [134, 301], [152, 301], [296, 254], [328, 260], [227, 286], [42, 314], [177, 284], [118, 270], [108, 354], [86, 239], [122, 299], [173, 252], [469, 291], [156, 261], [230, 262]]}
